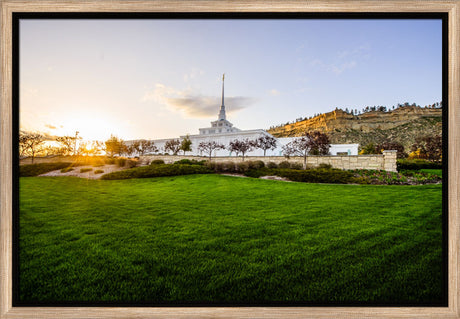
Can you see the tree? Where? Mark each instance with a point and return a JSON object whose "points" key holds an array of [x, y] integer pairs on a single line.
{"points": [[114, 146], [265, 143], [186, 144], [173, 146], [428, 147], [144, 147], [391, 146], [68, 143], [319, 143], [368, 149], [30, 143], [242, 147], [209, 147], [316, 142]]}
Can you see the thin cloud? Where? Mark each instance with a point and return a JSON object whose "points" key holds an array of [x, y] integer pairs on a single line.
{"points": [[193, 105], [274, 92], [51, 127]]}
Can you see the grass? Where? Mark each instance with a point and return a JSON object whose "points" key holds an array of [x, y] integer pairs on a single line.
{"points": [[437, 172], [212, 238]]}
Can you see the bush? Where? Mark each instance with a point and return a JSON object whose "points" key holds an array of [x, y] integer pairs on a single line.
{"points": [[121, 161], [131, 163], [67, 169], [98, 171], [416, 164], [98, 165], [318, 175], [229, 167], [157, 171], [41, 168], [242, 167], [272, 165], [190, 162], [84, 170], [296, 166], [324, 165], [256, 164], [109, 161], [284, 164], [157, 162]]}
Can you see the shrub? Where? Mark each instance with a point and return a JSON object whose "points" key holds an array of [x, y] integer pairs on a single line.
{"points": [[255, 173], [284, 164], [109, 161], [157, 162], [131, 163], [229, 167], [318, 175], [324, 165], [67, 169], [157, 171], [218, 167], [98, 165], [272, 165], [416, 164], [296, 166], [121, 161], [242, 167], [41, 168], [98, 171], [210, 165], [190, 162], [84, 170], [256, 164]]}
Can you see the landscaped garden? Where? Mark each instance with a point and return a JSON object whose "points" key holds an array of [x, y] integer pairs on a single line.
{"points": [[210, 238]]}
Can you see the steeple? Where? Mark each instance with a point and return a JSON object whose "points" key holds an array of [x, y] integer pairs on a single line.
{"points": [[222, 107]]}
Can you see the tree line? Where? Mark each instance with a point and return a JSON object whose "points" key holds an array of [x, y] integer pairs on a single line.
{"points": [[425, 147]]}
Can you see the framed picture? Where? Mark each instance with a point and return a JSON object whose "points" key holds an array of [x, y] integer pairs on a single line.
{"points": [[167, 136]]}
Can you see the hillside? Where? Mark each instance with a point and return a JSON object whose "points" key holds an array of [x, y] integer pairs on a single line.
{"points": [[401, 125]]}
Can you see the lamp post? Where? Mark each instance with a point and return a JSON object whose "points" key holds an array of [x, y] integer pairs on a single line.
{"points": [[75, 143]]}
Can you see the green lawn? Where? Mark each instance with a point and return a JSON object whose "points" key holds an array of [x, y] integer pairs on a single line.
{"points": [[212, 238]]}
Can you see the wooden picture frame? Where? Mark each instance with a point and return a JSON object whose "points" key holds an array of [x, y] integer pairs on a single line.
{"points": [[452, 8]]}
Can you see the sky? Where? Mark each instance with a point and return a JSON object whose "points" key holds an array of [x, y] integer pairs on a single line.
{"points": [[163, 78]]}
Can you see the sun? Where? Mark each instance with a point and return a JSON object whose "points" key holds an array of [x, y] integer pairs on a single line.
{"points": [[97, 128]]}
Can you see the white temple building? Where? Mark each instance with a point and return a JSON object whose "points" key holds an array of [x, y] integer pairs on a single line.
{"points": [[223, 132]]}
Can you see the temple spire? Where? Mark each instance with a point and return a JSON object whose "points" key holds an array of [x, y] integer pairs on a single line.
{"points": [[222, 107]]}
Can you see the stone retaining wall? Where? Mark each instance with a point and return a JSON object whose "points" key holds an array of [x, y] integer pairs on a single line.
{"points": [[386, 162]]}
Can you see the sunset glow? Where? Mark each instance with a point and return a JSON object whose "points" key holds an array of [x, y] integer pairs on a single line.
{"points": [[150, 79]]}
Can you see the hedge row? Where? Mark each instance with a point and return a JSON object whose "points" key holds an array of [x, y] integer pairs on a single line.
{"points": [[41, 168], [417, 164], [318, 175], [157, 170]]}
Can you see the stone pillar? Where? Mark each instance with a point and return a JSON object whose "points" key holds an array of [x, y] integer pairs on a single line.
{"points": [[389, 161]]}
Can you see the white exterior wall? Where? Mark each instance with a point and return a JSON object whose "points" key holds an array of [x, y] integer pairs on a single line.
{"points": [[225, 139]]}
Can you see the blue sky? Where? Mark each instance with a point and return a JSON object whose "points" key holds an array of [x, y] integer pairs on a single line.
{"points": [[162, 78]]}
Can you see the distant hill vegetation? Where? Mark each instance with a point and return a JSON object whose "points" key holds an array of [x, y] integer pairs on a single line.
{"points": [[402, 124]]}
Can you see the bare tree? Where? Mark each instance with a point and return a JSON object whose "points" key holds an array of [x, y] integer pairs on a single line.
{"points": [[242, 147], [173, 146], [265, 143], [30, 143], [209, 147], [315, 142], [68, 143], [144, 146]]}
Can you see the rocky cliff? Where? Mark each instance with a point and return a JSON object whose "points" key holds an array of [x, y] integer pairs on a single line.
{"points": [[401, 125]]}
